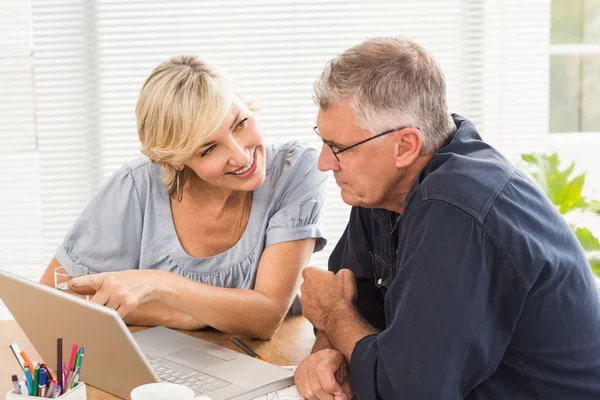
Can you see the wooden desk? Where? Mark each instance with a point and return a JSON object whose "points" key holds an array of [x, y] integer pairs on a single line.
{"points": [[292, 343]]}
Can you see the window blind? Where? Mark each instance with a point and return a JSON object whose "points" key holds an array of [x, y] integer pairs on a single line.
{"points": [[92, 58], [20, 207]]}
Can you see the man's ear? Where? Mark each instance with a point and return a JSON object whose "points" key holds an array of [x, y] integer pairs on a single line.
{"points": [[407, 146]]}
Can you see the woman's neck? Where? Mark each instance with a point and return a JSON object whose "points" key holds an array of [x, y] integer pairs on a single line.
{"points": [[217, 200]]}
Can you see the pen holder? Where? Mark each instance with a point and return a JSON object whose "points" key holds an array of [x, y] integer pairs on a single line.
{"points": [[78, 393]]}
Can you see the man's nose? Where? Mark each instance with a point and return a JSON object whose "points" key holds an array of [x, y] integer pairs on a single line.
{"points": [[327, 160]]}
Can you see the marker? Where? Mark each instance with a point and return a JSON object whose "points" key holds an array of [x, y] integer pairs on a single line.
{"points": [[49, 376], [36, 379], [15, 382], [42, 383], [76, 361], [79, 360], [78, 369], [29, 380]]}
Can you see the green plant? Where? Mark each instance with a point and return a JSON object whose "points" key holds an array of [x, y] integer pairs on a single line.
{"points": [[565, 192]]}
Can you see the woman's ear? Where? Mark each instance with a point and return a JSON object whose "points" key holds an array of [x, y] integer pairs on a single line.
{"points": [[407, 147]]}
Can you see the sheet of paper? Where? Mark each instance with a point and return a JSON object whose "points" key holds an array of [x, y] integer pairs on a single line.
{"points": [[288, 393]]}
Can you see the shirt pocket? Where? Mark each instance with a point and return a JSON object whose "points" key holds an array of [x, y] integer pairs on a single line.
{"points": [[382, 270]]}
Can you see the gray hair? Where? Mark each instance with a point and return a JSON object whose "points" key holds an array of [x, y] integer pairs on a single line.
{"points": [[390, 82]]}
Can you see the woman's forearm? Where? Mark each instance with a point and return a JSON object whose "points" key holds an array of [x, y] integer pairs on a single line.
{"points": [[237, 311], [157, 314]]}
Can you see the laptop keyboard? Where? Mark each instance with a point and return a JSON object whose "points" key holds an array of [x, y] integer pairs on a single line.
{"points": [[199, 382]]}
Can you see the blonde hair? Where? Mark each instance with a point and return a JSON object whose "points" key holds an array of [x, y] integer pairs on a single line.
{"points": [[180, 106], [389, 82]]}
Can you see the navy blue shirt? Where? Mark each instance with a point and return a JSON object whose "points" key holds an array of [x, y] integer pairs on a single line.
{"points": [[480, 289]]}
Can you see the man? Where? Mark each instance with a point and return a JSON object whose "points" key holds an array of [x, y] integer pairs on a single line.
{"points": [[455, 277]]}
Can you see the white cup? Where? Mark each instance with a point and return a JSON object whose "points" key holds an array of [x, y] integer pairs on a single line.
{"points": [[162, 391]]}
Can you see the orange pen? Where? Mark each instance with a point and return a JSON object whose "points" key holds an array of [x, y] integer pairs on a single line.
{"points": [[28, 361], [247, 349]]}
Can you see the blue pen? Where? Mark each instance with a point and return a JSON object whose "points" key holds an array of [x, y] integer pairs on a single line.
{"points": [[29, 381], [42, 383]]}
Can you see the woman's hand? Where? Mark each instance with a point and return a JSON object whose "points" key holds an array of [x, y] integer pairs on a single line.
{"points": [[122, 291]]}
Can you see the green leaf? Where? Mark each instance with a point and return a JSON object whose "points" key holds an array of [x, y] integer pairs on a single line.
{"points": [[535, 167], [528, 158], [569, 196], [569, 171], [594, 206], [565, 193], [588, 241]]}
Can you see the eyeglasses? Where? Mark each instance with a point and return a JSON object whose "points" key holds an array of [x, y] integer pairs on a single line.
{"points": [[336, 150]]}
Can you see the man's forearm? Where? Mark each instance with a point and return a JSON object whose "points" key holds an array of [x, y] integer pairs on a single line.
{"points": [[345, 329], [157, 314]]}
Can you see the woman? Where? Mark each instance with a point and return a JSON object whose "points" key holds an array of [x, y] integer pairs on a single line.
{"points": [[212, 227]]}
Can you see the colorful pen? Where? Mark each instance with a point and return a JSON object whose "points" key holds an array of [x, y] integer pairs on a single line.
{"points": [[42, 383], [57, 392]]}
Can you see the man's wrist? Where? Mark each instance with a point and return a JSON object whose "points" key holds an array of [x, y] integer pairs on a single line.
{"points": [[321, 342], [345, 328], [343, 313]]}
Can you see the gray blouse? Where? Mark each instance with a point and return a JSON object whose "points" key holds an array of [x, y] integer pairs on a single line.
{"points": [[128, 224]]}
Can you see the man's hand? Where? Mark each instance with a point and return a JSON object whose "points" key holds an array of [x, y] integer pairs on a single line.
{"points": [[325, 293], [323, 375], [122, 291]]}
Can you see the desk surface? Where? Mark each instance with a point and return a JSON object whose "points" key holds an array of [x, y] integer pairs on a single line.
{"points": [[289, 346]]}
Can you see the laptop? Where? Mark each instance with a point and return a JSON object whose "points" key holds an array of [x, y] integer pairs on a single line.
{"points": [[117, 361]]}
